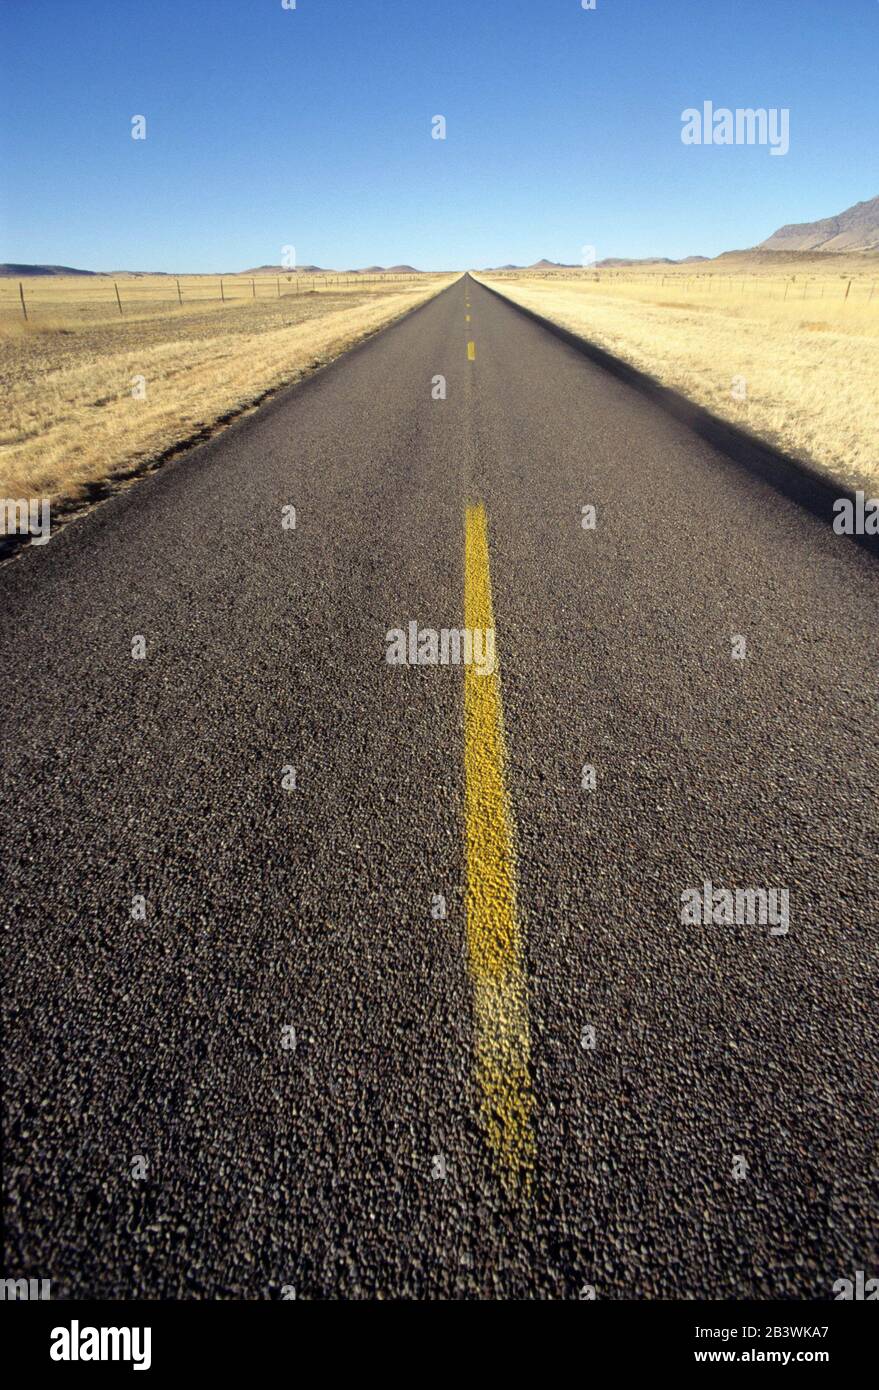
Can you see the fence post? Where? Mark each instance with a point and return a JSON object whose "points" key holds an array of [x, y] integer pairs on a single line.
{"points": [[179, 295], [118, 300], [279, 285], [253, 288], [222, 292], [23, 305], [847, 288]]}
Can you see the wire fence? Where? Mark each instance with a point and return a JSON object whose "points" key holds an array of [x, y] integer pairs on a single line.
{"points": [[847, 289], [55, 294]]}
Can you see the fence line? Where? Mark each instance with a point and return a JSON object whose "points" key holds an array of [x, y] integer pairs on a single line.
{"points": [[137, 294], [707, 281]]}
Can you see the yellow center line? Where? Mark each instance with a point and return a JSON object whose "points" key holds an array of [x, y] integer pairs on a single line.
{"points": [[467, 318], [471, 351], [494, 943]]}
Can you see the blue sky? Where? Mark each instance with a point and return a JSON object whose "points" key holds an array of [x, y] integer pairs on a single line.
{"points": [[269, 127]]}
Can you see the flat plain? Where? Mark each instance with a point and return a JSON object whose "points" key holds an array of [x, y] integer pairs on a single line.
{"points": [[94, 396], [783, 344]]}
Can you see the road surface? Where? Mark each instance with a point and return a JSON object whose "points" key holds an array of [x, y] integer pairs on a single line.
{"points": [[245, 1053]]}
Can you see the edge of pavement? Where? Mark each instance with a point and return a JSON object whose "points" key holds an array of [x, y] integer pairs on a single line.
{"points": [[796, 479], [95, 494]]}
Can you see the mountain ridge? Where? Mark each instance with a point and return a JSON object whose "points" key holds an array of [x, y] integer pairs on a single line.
{"points": [[854, 229]]}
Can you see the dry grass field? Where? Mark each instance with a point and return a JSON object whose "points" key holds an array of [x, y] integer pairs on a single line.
{"points": [[779, 344], [92, 397]]}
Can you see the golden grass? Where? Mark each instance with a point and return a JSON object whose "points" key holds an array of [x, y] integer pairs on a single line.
{"points": [[68, 299], [809, 357], [73, 420]]}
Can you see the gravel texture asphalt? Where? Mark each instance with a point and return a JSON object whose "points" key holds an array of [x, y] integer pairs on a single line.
{"points": [[719, 1140]]}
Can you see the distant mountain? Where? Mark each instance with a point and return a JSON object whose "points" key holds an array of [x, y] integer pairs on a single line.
{"points": [[639, 260], [285, 270], [385, 270], [609, 262], [20, 272], [322, 270], [856, 229]]}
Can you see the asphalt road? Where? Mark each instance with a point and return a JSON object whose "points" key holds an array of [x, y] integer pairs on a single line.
{"points": [[360, 1163]]}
